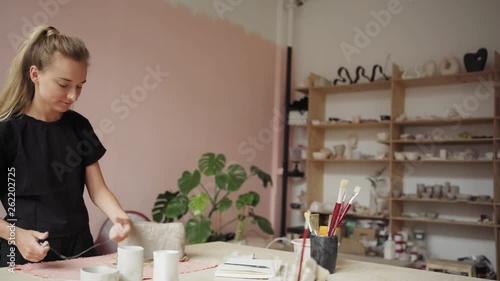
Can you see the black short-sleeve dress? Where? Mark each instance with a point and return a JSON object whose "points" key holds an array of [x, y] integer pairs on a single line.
{"points": [[42, 178]]}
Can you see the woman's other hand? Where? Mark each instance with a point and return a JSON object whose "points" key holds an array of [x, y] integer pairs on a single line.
{"points": [[28, 245], [120, 230]]}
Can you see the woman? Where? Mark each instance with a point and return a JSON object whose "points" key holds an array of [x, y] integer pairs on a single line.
{"points": [[48, 153]]}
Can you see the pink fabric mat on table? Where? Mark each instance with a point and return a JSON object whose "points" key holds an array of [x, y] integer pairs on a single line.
{"points": [[70, 269]]}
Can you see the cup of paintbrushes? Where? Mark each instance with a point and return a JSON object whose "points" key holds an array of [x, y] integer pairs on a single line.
{"points": [[324, 251]]}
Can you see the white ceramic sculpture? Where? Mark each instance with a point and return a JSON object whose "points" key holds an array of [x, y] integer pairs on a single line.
{"points": [[450, 65], [429, 68]]}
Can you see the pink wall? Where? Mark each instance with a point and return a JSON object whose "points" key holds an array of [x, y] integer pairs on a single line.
{"points": [[218, 95]]}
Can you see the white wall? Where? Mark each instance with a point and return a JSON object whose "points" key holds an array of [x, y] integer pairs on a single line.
{"points": [[418, 31]]}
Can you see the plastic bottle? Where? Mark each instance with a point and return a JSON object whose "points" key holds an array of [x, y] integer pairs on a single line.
{"points": [[389, 249]]}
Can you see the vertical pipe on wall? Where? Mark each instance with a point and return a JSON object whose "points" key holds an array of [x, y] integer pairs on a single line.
{"points": [[286, 134]]}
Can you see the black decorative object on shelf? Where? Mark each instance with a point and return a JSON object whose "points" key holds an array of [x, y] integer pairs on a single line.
{"points": [[476, 61], [296, 173], [360, 71], [300, 105]]}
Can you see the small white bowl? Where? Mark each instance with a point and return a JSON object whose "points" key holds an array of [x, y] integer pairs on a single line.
{"points": [[315, 122], [99, 273], [382, 136], [400, 156], [412, 156], [319, 155]]}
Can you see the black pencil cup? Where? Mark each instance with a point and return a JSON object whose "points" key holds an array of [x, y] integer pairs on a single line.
{"points": [[324, 251]]}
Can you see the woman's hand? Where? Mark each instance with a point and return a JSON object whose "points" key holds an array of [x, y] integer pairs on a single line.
{"points": [[28, 245], [120, 230]]}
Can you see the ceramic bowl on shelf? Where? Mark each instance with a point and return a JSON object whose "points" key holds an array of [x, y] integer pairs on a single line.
{"points": [[405, 136], [450, 196], [412, 156], [315, 122], [320, 155], [400, 156], [382, 136]]}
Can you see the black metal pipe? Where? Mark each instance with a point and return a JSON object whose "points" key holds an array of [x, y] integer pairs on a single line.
{"points": [[286, 141]]}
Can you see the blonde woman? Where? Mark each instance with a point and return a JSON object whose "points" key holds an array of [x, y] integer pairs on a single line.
{"points": [[48, 153]]}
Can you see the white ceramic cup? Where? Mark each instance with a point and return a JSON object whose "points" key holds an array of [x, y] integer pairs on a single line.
{"points": [[130, 262], [166, 265], [98, 273]]}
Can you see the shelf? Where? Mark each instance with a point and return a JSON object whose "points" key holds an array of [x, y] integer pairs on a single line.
{"points": [[441, 221], [444, 201], [447, 161], [467, 77], [353, 125], [449, 122], [303, 90], [470, 141], [349, 160], [352, 88], [353, 215], [298, 126]]}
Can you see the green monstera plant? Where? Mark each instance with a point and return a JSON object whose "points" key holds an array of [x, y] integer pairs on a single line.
{"points": [[212, 196]]}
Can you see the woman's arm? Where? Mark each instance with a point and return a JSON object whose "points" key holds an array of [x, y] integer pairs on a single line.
{"points": [[104, 199]]}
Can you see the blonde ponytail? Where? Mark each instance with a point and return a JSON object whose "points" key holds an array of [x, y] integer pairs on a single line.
{"points": [[37, 50]]}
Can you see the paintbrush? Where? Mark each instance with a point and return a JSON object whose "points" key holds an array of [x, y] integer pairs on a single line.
{"points": [[344, 211], [336, 209], [307, 216], [304, 237]]}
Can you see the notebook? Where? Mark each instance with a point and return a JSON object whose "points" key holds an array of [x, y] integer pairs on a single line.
{"points": [[246, 268]]}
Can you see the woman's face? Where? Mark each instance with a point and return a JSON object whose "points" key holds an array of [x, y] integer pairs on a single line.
{"points": [[59, 85]]}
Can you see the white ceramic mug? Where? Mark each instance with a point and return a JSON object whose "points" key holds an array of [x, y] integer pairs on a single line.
{"points": [[130, 262], [166, 265], [98, 273]]}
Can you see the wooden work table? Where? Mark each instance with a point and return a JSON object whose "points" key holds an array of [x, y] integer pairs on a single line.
{"points": [[347, 270]]}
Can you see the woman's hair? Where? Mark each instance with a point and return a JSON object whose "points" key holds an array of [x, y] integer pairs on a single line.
{"points": [[37, 50]]}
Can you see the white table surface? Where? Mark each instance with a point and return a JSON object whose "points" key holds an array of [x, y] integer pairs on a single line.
{"points": [[347, 270]]}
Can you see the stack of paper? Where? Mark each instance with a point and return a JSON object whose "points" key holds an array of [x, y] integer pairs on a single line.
{"points": [[246, 268]]}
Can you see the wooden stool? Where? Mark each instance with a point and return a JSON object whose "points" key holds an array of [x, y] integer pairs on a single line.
{"points": [[453, 266]]}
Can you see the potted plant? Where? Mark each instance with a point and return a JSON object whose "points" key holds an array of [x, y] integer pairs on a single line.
{"points": [[378, 193], [202, 202]]}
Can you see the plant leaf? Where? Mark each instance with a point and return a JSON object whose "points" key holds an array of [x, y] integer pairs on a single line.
{"points": [[198, 204], [209, 164], [237, 176], [198, 231], [250, 198], [188, 181], [177, 207], [263, 223], [161, 204], [221, 180], [225, 204], [263, 176]]}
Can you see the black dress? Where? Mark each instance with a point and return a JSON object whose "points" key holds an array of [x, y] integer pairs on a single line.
{"points": [[42, 178]]}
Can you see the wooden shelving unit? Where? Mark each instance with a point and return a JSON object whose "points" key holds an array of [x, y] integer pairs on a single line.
{"points": [[437, 122], [441, 221], [353, 125], [444, 201], [350, 160], [397, 89], [458, 141], [445, 161]]}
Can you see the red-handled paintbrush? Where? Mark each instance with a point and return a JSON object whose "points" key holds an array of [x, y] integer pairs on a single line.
{"points": [[344, 211], [304, 237], [336, 209]]}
